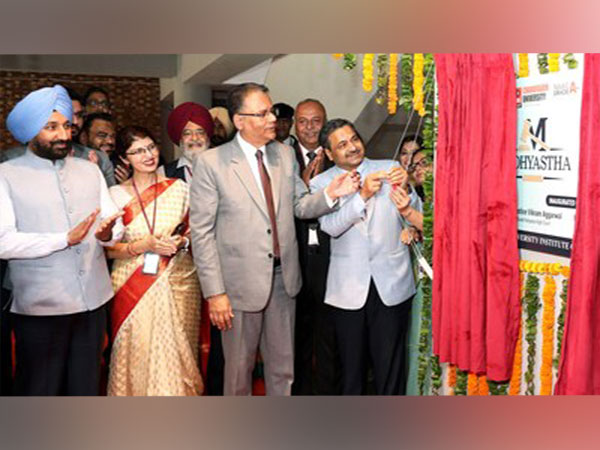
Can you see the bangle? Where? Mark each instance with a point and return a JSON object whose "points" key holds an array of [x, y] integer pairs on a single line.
{"points": [[405, 210]]}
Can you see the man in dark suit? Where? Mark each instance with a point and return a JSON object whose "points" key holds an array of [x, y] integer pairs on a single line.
{"points": [[317, 369]]}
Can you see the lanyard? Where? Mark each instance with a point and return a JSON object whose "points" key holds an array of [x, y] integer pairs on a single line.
{"points": [[137, 193]]}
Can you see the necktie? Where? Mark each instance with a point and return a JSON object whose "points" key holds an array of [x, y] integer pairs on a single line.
{"points": [[311, 155], [266, 185]]}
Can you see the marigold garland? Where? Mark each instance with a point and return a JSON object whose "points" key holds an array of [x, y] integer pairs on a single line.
{"points": [[382, 78], [497, 388], [429, 140], [561, 322], [436, 374], [553, 65], [393, 84], [532, 304], [515, 379], [523, 65], [368, 71], [547, 335], [349, 61], [418, 97], [461, 382], [472, 384], [542, 59], [406, 92], [570, 61], [483, 385], [543, 268], [428, 363], [451, 375]]}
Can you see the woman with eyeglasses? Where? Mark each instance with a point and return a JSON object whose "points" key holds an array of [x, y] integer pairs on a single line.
{"points": [[417, 170], [156, 309]]}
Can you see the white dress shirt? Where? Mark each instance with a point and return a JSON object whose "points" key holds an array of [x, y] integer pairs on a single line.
{"points": [[306, 151], [250, 153]]}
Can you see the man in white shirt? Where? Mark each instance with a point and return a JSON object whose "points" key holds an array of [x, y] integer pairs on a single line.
{"points": [[50, 203]]}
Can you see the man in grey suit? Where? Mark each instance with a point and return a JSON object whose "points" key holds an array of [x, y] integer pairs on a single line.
{"points": [[244, 196], [370, 281]]}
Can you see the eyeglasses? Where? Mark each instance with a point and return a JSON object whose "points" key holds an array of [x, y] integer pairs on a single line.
{"points": [[261, 114], [141, 150], [188, 133], [422, 164]]}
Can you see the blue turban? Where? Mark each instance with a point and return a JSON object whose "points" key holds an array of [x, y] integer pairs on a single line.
{"points": [[29, 116]]}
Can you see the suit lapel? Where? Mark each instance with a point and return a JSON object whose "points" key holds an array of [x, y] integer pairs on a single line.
{"points": [[244, 173], [299, 157], [274, 161]]}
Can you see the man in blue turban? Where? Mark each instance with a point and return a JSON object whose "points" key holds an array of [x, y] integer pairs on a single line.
{"points": [[31, 114], [61, 286]]}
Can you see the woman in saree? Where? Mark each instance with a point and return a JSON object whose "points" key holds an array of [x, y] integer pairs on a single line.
{"points": [[155, 317]]}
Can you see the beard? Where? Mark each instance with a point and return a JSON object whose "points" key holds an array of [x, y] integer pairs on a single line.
{"points": [[53, 150], [191, 150]]}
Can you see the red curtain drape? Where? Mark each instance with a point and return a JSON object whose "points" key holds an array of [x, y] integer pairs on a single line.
{"points": [[476, 305], [579, 371]]}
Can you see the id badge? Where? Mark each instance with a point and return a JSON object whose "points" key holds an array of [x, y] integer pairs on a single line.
{"points": [[313, 236], [151, 261]]}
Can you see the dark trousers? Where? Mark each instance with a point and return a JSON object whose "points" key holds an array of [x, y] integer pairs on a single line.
{"points": [[375, 332], [317, 369], [215, 368], [59, 355], [5, 340]]}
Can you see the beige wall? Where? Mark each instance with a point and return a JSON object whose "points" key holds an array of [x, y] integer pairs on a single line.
{"points": [[297, 76]]}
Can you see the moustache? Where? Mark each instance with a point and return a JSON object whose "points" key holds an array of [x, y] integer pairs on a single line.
{"points": [[62, 142]]}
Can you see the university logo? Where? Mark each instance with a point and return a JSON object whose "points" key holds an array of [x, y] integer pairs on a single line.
{"points": [[536, 93], [566, 88], [535, 155]]}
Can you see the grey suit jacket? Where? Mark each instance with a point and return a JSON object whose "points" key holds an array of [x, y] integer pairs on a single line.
{"points": [[365, 244], [231, 230]]}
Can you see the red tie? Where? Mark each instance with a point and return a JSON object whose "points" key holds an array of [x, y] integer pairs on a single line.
{"points": [[266, 185]]}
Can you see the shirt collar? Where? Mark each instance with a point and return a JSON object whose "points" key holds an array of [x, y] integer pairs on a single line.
{"points": [[183, 161], [43, 162], [305, 151], [249, 149]]}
